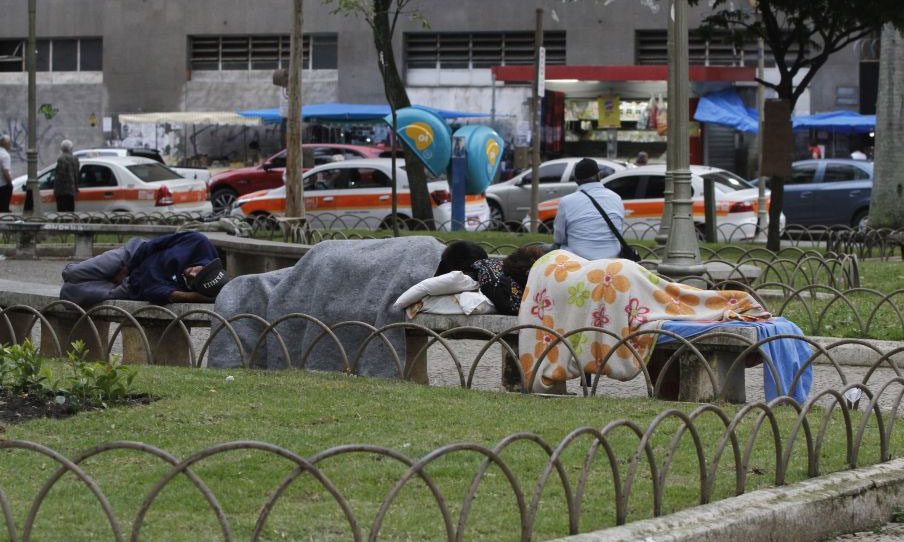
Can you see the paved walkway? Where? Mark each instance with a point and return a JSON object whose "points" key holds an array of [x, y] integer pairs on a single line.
{"points": [[891, 532]]}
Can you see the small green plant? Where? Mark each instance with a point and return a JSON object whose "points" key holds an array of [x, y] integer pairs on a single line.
{"points": [[23, 370], [86, 383], [95, 383]]}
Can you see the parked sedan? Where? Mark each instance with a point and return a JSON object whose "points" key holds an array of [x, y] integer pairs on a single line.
{"points": [[196, 173], [642, 190], [510, 200], [357, 194], [225, 187], [128, 184], [828, 192]]}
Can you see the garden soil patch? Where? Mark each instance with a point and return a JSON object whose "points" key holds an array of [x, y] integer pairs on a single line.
{"points": [[18, 408]]}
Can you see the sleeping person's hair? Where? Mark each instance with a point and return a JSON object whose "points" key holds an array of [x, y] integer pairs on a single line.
{"points": [[517, 264], [459, 256]]}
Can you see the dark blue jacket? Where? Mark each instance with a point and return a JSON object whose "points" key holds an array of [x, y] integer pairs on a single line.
{"points": [[155, 270]]}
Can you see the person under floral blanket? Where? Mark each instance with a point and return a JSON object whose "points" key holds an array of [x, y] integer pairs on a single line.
{"points": [[565, 292]]}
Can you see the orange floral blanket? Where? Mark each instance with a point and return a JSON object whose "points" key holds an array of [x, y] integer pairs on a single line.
{"points": [[568, 294]]}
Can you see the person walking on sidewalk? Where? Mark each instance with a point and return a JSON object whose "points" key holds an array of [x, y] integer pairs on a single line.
{"points": [[65, 183], [6, 176]]}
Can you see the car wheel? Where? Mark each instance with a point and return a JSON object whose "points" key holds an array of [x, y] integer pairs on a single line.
{"points": [[547, 226], [404, 222], [859, 222], [223, 199], [496, 216]]}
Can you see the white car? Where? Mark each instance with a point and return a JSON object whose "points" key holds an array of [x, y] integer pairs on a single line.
{"points": [[123, 184], [198, 174], [357, 194], [510, 200], [642, 188]]}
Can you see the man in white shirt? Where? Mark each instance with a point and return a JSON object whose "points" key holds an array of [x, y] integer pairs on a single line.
{"points": [[579, 227], [6, 174]]}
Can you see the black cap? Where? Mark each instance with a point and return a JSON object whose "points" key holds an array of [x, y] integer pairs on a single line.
{"points": [[586, 170], [211, 279]]}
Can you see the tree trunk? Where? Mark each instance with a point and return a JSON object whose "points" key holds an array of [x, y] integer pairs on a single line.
{"points": [[294, 188], [398, 98], [887, 203]]}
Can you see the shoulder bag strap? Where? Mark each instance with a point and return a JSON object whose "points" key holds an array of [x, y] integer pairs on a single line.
{"points": [[618, 235]]}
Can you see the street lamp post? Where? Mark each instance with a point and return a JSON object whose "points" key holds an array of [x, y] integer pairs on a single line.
{"points": [[665, 223], [682, 258], [535, 122], [31, 156]]}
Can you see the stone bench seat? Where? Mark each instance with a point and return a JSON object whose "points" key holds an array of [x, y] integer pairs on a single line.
{"points": [[685, 379], [28, 232], [69, 324]]}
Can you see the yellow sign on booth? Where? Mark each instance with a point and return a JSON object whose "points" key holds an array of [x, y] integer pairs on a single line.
{"points": [[609, 111]]}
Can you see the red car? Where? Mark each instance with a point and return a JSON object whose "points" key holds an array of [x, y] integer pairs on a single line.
{"points": [[225, 187]]}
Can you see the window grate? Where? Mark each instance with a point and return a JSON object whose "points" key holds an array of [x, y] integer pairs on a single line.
{"points": [[651, 47], [475, 50], [58, 55], [214, 53]]}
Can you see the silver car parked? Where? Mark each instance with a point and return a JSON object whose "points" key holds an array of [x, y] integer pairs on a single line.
{"points": [[510, 200]]}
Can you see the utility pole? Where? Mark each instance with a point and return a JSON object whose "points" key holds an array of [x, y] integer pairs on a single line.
{"points": [[538, 91], [294, 155], [762, 221], [31, 184], [682, 257], [665, 222]]}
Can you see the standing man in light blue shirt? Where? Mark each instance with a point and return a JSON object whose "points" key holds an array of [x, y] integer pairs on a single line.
{"points": [[579, 228]]}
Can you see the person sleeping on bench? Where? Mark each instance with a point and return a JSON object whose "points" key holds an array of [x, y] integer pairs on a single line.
{"points": [[177, 268]]}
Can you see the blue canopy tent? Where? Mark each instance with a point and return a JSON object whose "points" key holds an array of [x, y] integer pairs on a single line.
{"points": [[338, 112], [846, 122], [726, 108]]}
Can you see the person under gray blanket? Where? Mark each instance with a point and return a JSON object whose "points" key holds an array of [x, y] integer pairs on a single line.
{"points": [[177, 268], [334, 282]]}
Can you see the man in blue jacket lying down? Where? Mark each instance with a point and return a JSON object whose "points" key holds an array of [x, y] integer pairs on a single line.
{"points": [[177, 268]]}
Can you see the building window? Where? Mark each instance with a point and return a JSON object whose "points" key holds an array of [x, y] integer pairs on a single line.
{"points": [[470, 50], [651, 47], [260, 52], [55, 55]]}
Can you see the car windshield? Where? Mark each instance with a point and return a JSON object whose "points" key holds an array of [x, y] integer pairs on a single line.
{"points": [[728, 182], [153, 173]]}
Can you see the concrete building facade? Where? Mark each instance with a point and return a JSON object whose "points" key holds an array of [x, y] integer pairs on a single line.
{"points": [[134, 56]]}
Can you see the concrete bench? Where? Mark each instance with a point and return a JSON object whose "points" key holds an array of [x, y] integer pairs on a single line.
{"points": [[685, 378], [69, 324]]}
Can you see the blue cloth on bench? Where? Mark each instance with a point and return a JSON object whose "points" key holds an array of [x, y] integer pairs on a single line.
{"points": [[788, 355]]}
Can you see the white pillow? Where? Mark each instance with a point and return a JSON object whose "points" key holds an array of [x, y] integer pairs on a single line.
{"points": [[463, 303], [450, 283]]}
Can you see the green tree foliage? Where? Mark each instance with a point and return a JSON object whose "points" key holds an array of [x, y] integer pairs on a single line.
{"points": [[802, 35]]}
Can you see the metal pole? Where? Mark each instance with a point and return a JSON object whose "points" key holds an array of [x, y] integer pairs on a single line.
{"points": [[665, 222], [535, 125], [762, 217], [682, 256], [395, 186], [294, 154], [709, 209], [31, 154]]}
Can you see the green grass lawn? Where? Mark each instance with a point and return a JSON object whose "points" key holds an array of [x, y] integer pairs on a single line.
{"points": [[308, 413]]}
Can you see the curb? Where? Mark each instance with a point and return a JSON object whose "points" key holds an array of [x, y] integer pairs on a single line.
{"points": [[816, 509], [860, 353]]}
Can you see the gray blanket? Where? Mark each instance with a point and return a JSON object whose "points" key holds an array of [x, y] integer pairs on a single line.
{"points": [[336, 281]]}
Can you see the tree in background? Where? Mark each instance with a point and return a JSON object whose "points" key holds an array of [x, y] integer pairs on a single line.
{"points": [[886, 209], [802, 35], [382, 16]]}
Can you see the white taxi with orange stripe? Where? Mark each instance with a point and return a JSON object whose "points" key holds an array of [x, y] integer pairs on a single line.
{"points": [[642, 189], [357, 194], [126, 184]]}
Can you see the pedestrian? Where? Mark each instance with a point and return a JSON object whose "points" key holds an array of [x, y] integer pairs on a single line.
{"points": [[176, 268], [65, 182], [579, 227], [6, 175], [642, 159]]}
